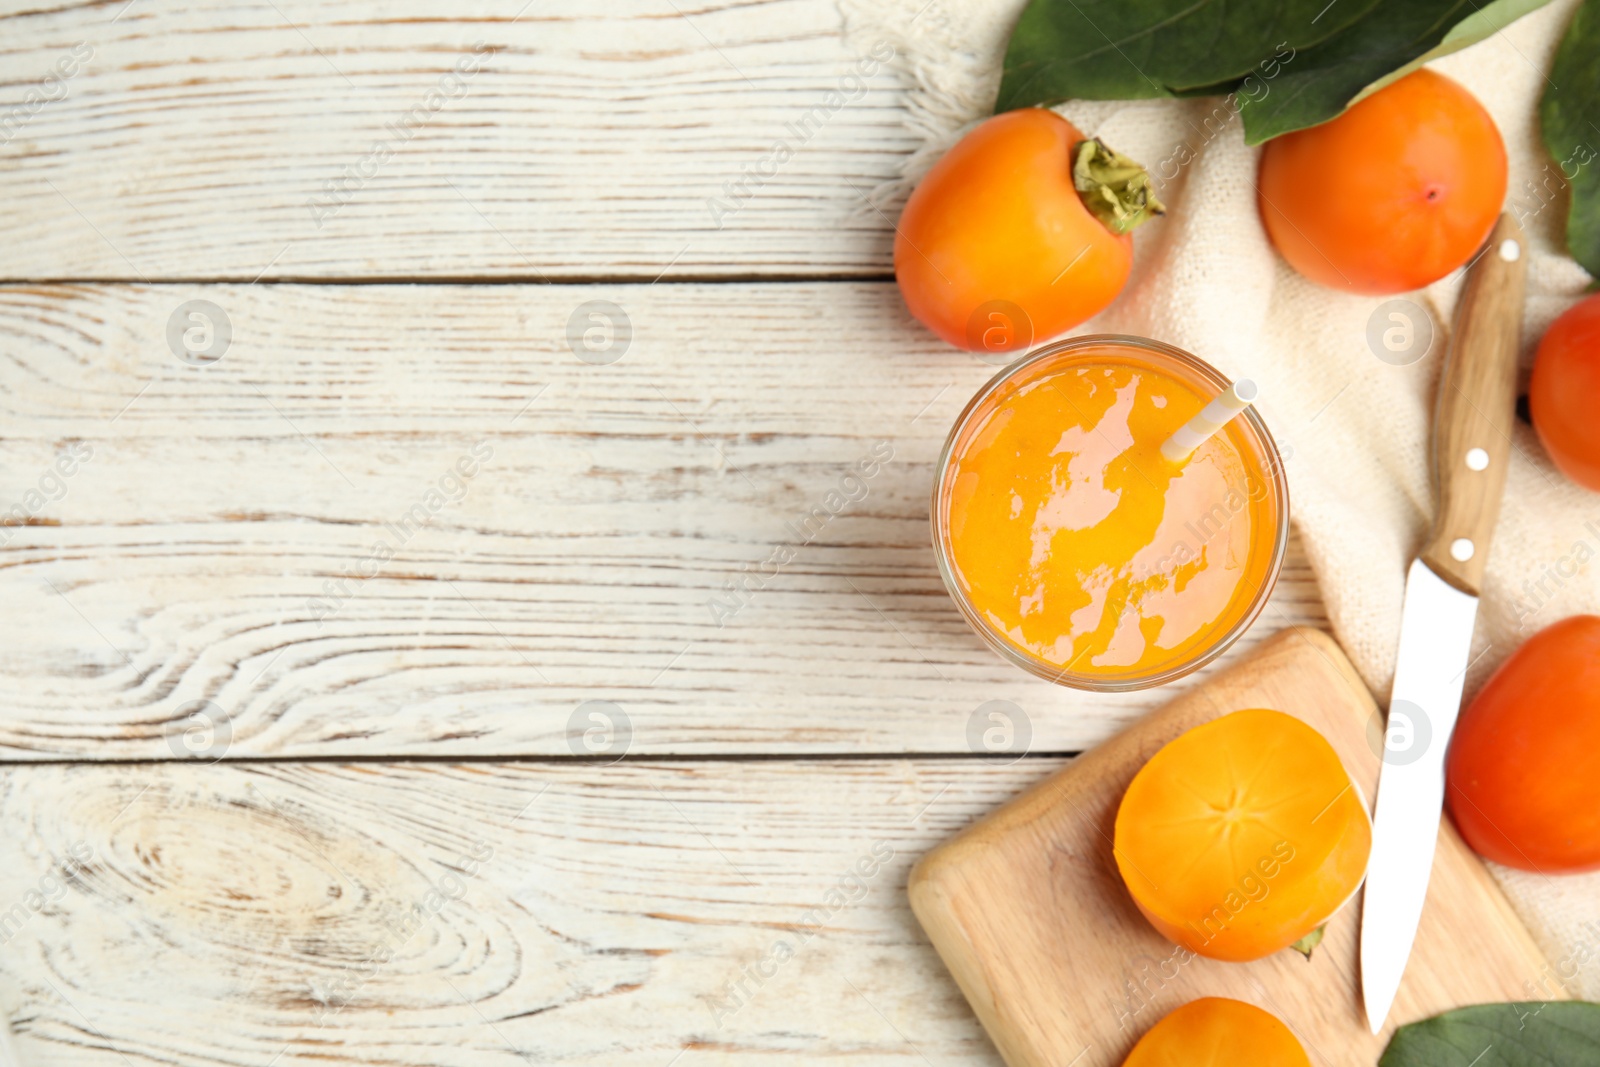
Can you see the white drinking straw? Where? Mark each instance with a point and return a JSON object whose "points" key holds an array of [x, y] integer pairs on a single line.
{"points": [[1217, 414]]}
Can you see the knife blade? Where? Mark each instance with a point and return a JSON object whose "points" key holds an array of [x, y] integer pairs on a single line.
{"points": [[1471, 452], [1435, 638]]}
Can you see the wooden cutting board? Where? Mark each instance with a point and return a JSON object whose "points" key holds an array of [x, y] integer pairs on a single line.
{"points": [[1029, 913]]}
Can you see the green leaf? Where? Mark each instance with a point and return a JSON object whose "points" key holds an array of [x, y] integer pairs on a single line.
{"points": [[1135, 49], [1320, 82], [1485, 21], [1560, 1034], [1310, 941], [1571, 96], [1291, 63]]}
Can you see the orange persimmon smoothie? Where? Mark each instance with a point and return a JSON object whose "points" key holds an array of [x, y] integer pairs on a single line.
{"points": [[1081, 552]]}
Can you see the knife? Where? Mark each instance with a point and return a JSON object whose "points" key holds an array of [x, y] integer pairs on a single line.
{"points": [[1471, 451]]}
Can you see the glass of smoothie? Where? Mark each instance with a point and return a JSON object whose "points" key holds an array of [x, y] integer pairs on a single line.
{"points": [[1075, 547]]}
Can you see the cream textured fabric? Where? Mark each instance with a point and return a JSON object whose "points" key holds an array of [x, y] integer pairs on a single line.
{"points": [[1206, 279]]}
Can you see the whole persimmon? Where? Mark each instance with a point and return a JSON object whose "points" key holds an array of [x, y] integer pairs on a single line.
{"points": [[1218, 1032], [1523, 773], [1561, 397], [1019, 232], [1393, 194], [1242, 835]]}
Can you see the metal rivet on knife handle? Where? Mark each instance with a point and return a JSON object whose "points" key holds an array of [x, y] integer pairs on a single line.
{"points": [[1477, 409]]}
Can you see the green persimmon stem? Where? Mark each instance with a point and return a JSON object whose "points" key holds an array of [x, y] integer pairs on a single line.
{"points": [[1114, 188]]}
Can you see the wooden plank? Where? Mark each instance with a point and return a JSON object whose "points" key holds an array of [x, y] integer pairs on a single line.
{"points": [[377, 139], [1061, 966], [443, 915], [215, 543]]}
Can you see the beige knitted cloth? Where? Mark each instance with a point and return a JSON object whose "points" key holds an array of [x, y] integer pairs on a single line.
{"points": [[1355, 427]]}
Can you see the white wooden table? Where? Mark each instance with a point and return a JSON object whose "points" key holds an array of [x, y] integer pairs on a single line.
{"points": [[314, 743]]}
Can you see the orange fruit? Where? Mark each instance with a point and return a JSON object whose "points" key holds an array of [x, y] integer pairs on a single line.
{"points": [[1524, 765], [1218, 1032], [1395, 193], [1242, 835], [1566, 380], [996, 248]]}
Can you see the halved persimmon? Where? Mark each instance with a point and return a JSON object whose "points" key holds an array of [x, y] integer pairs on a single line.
{"points": [[1242, 835], [1218, 1032]]}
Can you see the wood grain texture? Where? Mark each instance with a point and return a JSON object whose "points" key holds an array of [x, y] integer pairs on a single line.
{"points": [[1477, 408], [224, 559], [228, 141], [1030, 913], [446, 916], [222, 540]]}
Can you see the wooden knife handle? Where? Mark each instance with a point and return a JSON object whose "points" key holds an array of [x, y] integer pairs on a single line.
{"points": [[1476, 408]]}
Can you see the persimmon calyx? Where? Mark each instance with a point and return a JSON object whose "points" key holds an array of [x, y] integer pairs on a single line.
{"points": [[1114, 188]]}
